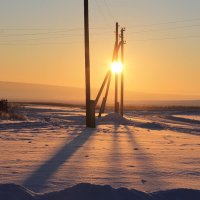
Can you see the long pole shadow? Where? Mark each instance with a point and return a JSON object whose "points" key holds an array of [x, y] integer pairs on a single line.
{"points": [[115, 147], [37, 180], [114, 165], [147, 166]]}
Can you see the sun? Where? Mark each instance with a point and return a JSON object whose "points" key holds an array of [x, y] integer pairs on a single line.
{"points": [[116, 67]]}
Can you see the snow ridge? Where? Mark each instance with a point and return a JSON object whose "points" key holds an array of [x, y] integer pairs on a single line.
{"points": [[97, 192]]}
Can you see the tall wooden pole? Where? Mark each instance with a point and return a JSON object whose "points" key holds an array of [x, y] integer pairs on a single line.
{"points": [[116, 75], [87, 62], [103, 104], [122, 73]]}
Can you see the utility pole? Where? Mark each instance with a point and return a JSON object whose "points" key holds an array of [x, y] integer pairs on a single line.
{"points": [[115, 52], [90, 114], [116, 75], [122, 73], [108, 76]]}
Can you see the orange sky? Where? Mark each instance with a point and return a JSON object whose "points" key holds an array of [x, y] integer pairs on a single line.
{"points": [[38, 45]]}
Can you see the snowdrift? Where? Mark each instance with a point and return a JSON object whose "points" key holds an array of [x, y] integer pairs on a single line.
{"points": [[86, 191], [114, 118]]}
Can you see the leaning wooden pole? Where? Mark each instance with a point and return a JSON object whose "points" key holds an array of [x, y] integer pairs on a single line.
{"points": [[102, 87], [103, 104]]}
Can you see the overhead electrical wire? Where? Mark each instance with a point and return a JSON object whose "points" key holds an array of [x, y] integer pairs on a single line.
{"points": [[167, 22], [165, 29], [38, 44], [63, 32], [102, 14], [96, 28], [109, 10], [168, 38], [50, 29], [47, 33], [78, 42]]}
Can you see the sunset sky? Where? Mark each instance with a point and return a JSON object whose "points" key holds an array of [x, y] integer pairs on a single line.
{"points": [[41, 41]]}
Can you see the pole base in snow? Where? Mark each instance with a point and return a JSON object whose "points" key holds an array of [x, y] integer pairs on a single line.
{"points": [[117, 108], [92, 120]]}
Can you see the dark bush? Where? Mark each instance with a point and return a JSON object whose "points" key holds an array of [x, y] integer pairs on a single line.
{"points": [[4, 105], [9, 111]]}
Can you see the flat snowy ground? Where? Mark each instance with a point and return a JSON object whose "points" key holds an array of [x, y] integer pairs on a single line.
{"points": [[146, 150]]}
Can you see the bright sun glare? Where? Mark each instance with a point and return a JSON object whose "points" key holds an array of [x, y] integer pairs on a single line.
{"points": [[116, 67]]}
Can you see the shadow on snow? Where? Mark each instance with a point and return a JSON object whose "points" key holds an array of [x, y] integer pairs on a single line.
{"points": [[39, 177]]}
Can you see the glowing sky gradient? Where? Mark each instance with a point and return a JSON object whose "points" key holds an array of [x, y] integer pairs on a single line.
{"points": [[41, 41]]}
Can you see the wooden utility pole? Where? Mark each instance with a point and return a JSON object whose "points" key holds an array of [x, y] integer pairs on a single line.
{"points": [[90, 116], [122, 73], [103, 104], [116, 75], [108, 76]]}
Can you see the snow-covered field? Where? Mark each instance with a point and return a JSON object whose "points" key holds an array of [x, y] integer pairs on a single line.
{"points": [[193, 117], [147, 150]]}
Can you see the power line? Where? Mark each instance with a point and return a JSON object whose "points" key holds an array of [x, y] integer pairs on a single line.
{"points": [[102, 13], [51, 29], [39, 29], [168, 38], [163, 29], [36, 34], [10, 42], [48, 38], [41, 38], [168, 22], [65, 33], [47, 33], [96, 28], [109, 10], [10, 32], [39, 44]]}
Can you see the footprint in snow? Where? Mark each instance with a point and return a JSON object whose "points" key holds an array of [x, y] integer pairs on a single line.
{"points": [[131, 166], [143, 181]]}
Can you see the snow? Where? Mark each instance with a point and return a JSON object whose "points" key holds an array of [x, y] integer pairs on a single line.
{"points": [[91, 192], [114, 118], [145, 150], [192, 117]]}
